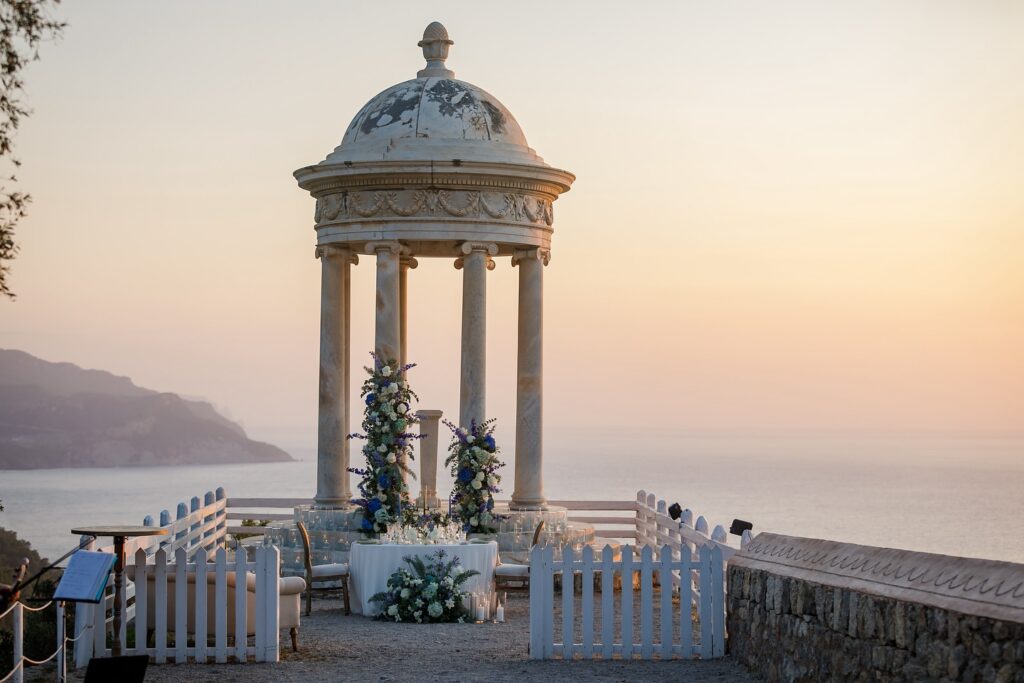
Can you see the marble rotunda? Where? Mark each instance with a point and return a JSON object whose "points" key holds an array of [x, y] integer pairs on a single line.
{"points": [[432, 167]]}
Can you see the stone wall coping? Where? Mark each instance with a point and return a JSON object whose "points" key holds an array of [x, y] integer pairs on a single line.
{"points": [[983, 588]]}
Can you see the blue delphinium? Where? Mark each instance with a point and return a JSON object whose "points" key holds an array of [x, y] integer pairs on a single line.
{"points": [[386, 419], [473, 459]]}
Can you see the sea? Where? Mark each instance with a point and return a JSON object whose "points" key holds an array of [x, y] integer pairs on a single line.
{"points": [[955, 494]]}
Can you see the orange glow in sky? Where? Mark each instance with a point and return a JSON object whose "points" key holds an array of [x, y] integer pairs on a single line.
{"points": [[787, 215]]}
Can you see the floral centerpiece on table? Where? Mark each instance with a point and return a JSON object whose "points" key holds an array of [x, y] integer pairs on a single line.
{"points": [[430, 593], [388, 450], [473, 459], [430, 528]]}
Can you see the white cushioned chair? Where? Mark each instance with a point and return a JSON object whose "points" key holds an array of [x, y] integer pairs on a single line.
{"points": [[322, 573]]}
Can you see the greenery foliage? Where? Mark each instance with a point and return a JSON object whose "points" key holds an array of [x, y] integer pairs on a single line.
{"points": [[24, 24], [430, 593], [386, 421], [473, 460]]}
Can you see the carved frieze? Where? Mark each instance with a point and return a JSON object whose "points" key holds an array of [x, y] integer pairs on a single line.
{"points": [[427, 203]]}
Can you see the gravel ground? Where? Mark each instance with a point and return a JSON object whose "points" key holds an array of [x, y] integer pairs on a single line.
{"points": [[333, 647]]}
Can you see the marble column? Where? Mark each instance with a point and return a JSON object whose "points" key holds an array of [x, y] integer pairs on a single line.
{"points": [[405, 263], [388, 329], [332, 476], [529, 485], [428, 446], [475, 263]]}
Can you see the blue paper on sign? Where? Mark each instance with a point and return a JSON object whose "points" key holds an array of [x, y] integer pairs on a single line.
{"points": [[85, 577]]}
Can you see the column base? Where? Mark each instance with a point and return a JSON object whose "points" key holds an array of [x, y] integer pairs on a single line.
{"points": [[332, 503], [529, 505]]}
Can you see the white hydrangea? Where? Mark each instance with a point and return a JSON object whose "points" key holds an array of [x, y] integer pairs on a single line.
{"points": [[435, 610], [393, 610], [406, 593], [474, 521]]}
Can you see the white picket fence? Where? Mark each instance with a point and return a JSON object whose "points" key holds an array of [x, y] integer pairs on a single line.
{"points": [[197, 526], [266, 568], [671, 635]]}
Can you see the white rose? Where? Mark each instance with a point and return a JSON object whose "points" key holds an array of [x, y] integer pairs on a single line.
{"points": [[479, 476], [401, 408], [474, 521], [406, 593], [382, 449], [477, 485], [393, 610], [391, 457], [386, 371], [469, 438], [492, 481]]}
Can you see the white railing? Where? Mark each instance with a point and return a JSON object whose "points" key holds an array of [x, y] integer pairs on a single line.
{"points": [[197, 526], [654, 527], [671, 635]]}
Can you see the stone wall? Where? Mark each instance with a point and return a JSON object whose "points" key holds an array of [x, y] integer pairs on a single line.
{"points": [[808, 610]]}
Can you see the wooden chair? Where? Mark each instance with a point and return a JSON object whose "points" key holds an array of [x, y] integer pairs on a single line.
{"points": [[321, 573], [505, 575]]}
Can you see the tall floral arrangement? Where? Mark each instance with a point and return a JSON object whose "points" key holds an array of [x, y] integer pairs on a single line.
{"points": [[386, 421], [473, 459]]}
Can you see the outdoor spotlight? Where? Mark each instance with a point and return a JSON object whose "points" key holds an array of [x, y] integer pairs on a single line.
{"points": [[739, 526], [674, 511]]}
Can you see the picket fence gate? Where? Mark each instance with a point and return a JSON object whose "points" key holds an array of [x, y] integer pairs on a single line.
{"points": [[675, 634], [266, 568]]}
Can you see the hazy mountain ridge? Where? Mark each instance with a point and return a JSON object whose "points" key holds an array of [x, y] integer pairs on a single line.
{"points": [[60, 415]]}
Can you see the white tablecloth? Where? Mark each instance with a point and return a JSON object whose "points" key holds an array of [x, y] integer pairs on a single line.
{"points": [[370, 566]]}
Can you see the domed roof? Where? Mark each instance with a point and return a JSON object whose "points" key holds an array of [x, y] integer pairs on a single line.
{"points": [[434, 116]]}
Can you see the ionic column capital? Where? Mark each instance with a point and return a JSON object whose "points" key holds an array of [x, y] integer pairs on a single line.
{"points": [[408, 262], [327, 251], [395, 247], [542, 255], [461, 261], [468, 248]]}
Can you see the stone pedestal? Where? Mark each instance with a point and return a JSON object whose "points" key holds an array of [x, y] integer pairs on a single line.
{"points": [[430, 427]]}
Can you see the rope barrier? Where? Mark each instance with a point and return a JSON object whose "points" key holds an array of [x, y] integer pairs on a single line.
{"points": [[13, 671], [36, 609]]}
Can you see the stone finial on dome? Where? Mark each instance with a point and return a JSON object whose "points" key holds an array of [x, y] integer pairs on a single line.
{"points": [[435, 46]]}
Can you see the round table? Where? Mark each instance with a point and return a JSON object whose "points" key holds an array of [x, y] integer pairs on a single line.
{"points": [[371, 565], [119, 533]]}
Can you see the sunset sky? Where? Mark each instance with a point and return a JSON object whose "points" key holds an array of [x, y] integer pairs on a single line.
{"points": [[787, 215]]}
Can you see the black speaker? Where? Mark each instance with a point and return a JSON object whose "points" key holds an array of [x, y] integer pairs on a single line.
{"points": [[117, 669], [739, 526]]}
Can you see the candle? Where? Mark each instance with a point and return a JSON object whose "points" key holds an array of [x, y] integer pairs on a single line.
{"points": [[499, 614], [480, 612]]}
